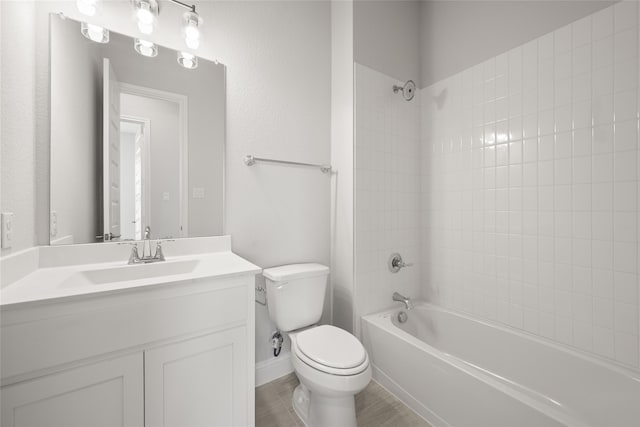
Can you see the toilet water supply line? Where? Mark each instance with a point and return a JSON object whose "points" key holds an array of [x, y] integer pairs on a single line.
{"points": [[276, 342]]}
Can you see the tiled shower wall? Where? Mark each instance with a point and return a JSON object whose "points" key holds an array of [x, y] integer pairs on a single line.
{"points": [[387, 191], [530, 187]]}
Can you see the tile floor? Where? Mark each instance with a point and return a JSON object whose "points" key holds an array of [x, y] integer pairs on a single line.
{"points": [[375, 406]]}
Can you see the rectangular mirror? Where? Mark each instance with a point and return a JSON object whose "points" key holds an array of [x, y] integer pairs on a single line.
{"points": [[136, 141]]}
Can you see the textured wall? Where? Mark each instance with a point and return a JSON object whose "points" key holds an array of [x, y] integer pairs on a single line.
{"points": [[278, 93], [18, 121], [530, 186]]}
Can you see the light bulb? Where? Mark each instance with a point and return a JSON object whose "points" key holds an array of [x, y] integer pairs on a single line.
{"points": [[87, 7], [192, 43], [94, 32], [187, 60], [191, 29], [192, 32], [145, 28], [145, 15], [145, 48]]}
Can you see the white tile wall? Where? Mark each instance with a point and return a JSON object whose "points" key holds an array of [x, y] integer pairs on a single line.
{"points": [[387, 181], [530, 187]]}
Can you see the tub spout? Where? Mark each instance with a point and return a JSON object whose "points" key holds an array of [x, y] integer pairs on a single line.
{"points": [[401, 298]]}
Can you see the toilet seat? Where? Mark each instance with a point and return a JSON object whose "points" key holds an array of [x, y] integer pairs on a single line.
{"points": [[331, 350]]}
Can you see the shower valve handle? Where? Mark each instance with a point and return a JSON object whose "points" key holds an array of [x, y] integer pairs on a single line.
{"points": [[396, 263]]}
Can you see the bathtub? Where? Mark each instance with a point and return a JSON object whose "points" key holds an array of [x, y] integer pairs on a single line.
{"points": [[458, 371]]}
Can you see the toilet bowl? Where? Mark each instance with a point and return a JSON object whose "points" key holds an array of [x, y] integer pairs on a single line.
{"points": [[331, 364], [332, 367]]}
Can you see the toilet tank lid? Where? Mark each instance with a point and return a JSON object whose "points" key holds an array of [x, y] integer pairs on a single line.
{"points": [[295, 271]]}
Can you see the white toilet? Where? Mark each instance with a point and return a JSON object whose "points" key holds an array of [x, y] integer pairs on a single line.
{"points": [[331, 364]]}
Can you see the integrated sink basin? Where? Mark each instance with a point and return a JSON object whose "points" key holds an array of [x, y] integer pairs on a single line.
{"points": [[127, 273]]}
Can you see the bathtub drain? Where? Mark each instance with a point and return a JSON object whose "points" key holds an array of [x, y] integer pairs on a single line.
{"points": [[402, 317]]}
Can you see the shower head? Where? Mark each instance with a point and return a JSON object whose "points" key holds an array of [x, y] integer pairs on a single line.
{"points": [[408, 90]]}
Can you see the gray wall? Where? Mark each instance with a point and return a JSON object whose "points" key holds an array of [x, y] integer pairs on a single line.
{"points": [[458, 34], [430, 40], [387, 37]]}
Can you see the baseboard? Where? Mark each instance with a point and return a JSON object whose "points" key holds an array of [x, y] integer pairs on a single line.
{"points": [[272, 369], [394, 388]]}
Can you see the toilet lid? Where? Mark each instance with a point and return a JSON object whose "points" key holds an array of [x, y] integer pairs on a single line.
{"points": [[332, 347]]}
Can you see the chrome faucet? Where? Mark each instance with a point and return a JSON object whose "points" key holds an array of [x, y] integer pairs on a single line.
{"points": [[146, 244], [401, 298], [146, 258]]}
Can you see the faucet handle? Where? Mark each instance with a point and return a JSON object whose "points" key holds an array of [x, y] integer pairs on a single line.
{"points": [[159, 255], [134, 257]]}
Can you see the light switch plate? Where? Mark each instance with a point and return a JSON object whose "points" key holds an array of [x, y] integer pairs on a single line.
{"points": [[6, 218], [198, 193], [53, 224]]}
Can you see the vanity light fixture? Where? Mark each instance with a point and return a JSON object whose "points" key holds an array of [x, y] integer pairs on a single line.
{"points": [[88, 7], [146, 15], [188, 60], [145, 48], [94, 33]]}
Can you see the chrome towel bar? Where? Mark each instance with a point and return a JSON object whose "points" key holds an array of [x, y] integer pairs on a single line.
{"points": [[250, 160]]}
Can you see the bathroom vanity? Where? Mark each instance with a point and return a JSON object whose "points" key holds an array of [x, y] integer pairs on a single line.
{"points": [[88, 343]]}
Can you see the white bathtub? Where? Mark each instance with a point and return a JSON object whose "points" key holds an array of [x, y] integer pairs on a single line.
{"points": [[457, 371]]}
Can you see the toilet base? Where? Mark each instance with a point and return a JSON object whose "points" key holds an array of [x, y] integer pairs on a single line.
{"points": [[324, 411]]}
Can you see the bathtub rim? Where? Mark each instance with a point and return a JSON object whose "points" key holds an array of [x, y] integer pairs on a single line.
{"points": [[620, 368]]}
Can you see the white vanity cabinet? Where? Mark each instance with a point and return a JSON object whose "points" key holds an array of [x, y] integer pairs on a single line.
{"points": [[178, 353]]}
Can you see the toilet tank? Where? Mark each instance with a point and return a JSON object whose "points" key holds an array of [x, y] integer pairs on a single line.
{"points": [[295, 294]]}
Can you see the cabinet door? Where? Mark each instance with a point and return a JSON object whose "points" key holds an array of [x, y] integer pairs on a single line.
{"points": [[107, 393], [198, 382]]}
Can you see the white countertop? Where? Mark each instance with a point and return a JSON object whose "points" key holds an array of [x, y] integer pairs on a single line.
{"points": [[52, 281], [57, 282]]}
